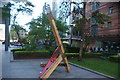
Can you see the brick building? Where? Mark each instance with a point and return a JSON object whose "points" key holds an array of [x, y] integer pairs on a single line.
{"points": [[106, 35]]}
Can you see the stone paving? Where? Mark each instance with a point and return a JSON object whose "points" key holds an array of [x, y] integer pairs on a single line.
{"points": [[32, 68], [0, 62]]}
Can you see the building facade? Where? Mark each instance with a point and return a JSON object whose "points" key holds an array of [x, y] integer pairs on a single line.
{"points": [[107, 35]]}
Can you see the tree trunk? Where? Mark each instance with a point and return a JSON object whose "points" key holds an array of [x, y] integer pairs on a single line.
{"points": [[80, 53], [82, 46]]}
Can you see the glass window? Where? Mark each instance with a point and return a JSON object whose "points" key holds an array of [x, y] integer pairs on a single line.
{"points": [[110, 10], [94, 30], [109, 24], [93, 20], [95, 5]]}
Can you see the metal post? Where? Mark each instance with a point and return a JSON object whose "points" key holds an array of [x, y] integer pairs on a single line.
{"points": [[70, 35], [6, 34]]}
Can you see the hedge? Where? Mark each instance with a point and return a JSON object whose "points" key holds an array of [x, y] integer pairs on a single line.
{"points": [[72, 49], [17, 49], [115, 58], [38, 54], [71, 55], [94, 54], [28, 52]]}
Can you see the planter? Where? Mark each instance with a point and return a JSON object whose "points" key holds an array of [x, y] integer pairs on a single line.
{"points": [[31, 56], [72, 55], [93, 55], [13, 50], [114, 58]]}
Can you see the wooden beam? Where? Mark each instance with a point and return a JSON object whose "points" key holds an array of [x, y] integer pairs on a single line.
{"points": [[52, 68], [58, 40]]}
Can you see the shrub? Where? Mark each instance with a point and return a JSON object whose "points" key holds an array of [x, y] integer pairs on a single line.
{"points": [[17, 49], [51, 49], [72, 50], [66, 45], [37, 54], [115, 58], [28, 52], [107, 53], [93, 54], [70, 55]]}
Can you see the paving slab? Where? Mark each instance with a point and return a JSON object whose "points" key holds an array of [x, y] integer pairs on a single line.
{"points": [[0, 62], [32, 69]]}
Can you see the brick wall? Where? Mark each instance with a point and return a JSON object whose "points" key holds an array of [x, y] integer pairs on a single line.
{"points": [[115, 17]]}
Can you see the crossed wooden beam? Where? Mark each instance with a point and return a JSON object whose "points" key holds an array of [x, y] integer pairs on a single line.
{"points": [[57, 56]]}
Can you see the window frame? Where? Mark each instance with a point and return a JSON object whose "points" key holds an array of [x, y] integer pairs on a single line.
{"points": [[110, 10], [95, 6], [109, 24]]}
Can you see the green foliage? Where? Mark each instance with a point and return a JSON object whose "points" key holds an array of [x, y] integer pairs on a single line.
{"points": [[6, 10], [45, 21], [72, 54], [30, 43], [22, 7], [17, 49], [81, 22], [72, 49], [37, 32], [52, 49], [83, 25], [40, 29], [100, 18], [65, 45], [95, 53], [100, 65], [62, 28], [28, 52], [115, 56]]}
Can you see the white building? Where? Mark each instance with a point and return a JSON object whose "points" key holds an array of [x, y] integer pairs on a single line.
{"points": [[22, 33]]}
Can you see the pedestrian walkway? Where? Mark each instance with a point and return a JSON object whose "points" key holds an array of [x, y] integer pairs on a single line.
{"points": [[32, 68], [0, 62]]}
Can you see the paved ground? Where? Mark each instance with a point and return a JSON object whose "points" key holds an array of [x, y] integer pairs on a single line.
{"points": [[0, 62], [32, 68]]}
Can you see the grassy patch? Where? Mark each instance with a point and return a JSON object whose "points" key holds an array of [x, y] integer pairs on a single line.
{"points": [[103, 66]]}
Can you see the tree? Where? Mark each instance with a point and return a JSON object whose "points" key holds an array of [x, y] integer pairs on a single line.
{"points": [[37, 32], [40, 29], [83, 23], [17, 8]]}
